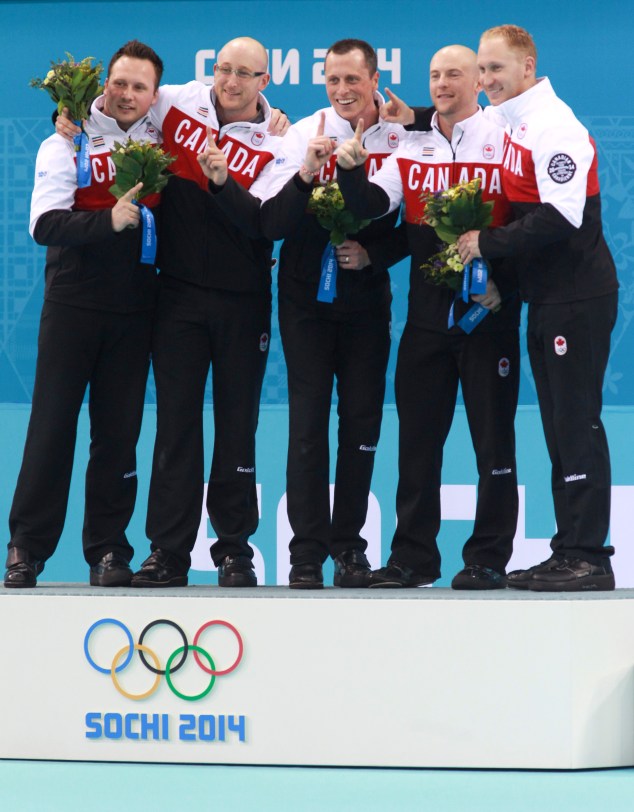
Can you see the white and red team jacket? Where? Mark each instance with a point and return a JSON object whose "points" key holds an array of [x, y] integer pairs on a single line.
{"points": [[87, 263], [551, 180], [284, 215], [199, 243], [427, 162]]}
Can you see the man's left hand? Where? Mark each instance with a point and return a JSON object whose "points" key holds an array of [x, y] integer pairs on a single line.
{"points": [[278, 123], [468, 246], [351, 254], [491, 299]]}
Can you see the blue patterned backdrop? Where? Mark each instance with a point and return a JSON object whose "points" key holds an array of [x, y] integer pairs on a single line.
{"points": [[585, 54]]}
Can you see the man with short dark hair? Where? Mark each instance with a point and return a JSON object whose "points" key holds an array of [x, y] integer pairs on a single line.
{"points": [[568, 277], [95, 332]]}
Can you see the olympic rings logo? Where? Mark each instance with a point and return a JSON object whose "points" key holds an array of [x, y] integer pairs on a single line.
{"points": [[123, 657]]}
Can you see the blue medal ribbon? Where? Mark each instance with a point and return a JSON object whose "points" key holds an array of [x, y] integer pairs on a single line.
{"points": [[84, 169], [474, 280], [473, 317], [479, 276], [148, 236], [466, 282], [327, 290]]}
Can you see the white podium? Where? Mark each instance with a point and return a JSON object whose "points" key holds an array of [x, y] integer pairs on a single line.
{"points": [[394, 678]]}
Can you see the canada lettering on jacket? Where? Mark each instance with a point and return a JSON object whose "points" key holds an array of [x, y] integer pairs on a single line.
{"points": [[513, 160], [237, 157], [191, 135], [102, 166], [431, 178], [372, 166]]}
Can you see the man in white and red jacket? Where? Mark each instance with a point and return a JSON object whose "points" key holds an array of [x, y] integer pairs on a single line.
{"points": [[95, 331], [568, 277], [438, 349], [213, 312]]}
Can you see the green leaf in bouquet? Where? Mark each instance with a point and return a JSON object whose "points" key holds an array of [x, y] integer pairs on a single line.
{"points": [[337, 237], [447, 233], [117, 191], [126, 179], [77, 80], [161, 183], [127, 164], [347, 220], [485, 215], [150, 176]]}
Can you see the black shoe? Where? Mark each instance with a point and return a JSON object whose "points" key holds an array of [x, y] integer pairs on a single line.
{"points": [[352, 570], [111, 570], [236, 570], [397, 575], [22, 569], [574, 575], [474, 576], [518, 579], [306, 576], [160, 569]]}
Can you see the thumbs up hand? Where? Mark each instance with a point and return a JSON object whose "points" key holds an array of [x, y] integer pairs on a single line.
{"points": [[352, 152], [125, 214]]}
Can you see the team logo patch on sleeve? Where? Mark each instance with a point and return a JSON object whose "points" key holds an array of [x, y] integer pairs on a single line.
{"points": [[521, 130], [257, 139], [488, 151], [562, 168], [504, 367], [392, 140], [264, 342]]}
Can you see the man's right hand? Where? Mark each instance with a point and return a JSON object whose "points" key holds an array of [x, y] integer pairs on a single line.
{"points": [[318, 151], [352, 152], [124, 213], [65, 126], [395, 111], [213, 161]]}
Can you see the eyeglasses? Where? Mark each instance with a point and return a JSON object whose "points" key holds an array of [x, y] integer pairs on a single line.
{"points": [[241, 73]]}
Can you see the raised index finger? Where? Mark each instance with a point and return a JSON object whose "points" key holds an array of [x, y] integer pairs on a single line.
{"points": [[322, 124], [392, 96], [358, 133], [211, 144]]}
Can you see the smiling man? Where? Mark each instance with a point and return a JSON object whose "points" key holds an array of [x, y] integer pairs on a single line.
{"points": [[95, 333], [347, 340], [214, 312], [568, 277], [438, 350]]}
